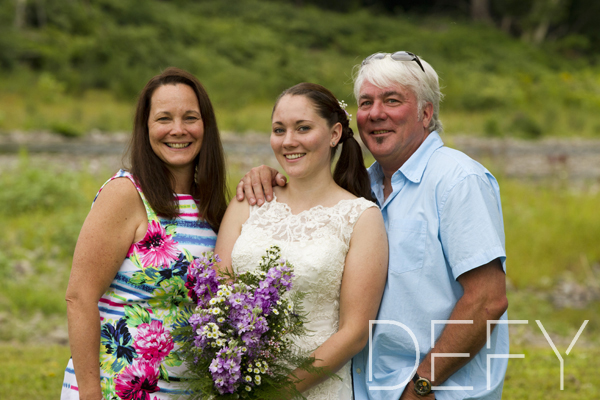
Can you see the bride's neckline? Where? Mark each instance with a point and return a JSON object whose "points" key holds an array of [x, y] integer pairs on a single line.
{"points": [[317, 207]]}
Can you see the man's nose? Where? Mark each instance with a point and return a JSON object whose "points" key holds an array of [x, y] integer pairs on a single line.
{"points": [[377, 111]]}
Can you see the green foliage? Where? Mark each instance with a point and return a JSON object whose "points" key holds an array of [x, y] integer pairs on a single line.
{"points": [[36, 189], [41, 367], [248, 52], [537, 376], [551, 231]]}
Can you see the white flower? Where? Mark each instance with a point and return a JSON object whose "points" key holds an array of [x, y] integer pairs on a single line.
{"points": [[275, 311], [248, 378], [256, 371], [248, 388]]}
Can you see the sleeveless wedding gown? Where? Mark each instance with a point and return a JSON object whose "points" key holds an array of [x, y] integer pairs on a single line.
{"points": [[315, 242]]}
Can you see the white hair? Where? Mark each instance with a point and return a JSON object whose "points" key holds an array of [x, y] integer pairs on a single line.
{"points": [[386, 72]]}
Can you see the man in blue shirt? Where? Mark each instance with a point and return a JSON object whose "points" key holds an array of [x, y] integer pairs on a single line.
{"points": [[446, 278]]}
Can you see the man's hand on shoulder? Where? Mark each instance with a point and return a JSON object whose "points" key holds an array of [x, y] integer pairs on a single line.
{"points": [[258, 184]]}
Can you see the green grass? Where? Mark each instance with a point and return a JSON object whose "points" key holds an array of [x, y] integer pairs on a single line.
{"points": [[550, 229], [32, 371], [551, 233], [36, 371], [537, 376]]}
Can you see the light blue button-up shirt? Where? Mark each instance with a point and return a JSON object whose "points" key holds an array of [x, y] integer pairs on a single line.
{"points": [[443, 218]]}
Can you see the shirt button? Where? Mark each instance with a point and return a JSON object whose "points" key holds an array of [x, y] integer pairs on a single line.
{"points": [[358, 371]]}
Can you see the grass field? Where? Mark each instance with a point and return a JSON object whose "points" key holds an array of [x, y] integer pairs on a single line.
{"points": [[553, 273], [36, 372]]}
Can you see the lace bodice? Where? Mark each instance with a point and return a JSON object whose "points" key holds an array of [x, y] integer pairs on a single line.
{"points": [[315, 242]]}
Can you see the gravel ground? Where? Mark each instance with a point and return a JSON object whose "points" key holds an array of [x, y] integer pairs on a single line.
{"points": [[574, 160]]}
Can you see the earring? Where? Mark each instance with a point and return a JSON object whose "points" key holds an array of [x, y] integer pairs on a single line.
{"points": [[333, 144]]}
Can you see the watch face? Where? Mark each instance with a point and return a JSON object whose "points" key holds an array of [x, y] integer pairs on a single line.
{"points": [[422, 386]]}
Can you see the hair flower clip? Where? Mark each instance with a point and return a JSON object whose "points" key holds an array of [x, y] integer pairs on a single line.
{"points": [[343, 106]]}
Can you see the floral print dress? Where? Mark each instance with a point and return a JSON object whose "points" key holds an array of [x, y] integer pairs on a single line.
{"points": [[146, 301]]}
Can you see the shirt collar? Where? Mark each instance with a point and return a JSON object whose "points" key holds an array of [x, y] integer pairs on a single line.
{"points": [[414, 167]]}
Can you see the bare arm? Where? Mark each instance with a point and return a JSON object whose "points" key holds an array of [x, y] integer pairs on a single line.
{"points": [[258, 184], [237, 213], [484, 299], [363, 282], [117, 218]]}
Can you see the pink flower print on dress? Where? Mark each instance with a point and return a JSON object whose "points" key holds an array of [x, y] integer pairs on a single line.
{"points": [[157, 248], [153, 342], [137, 381]]}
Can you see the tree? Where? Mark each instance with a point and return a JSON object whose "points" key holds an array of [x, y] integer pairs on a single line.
{"points": [[480, 11]]}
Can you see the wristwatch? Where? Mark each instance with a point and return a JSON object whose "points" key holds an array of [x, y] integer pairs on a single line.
{"points": [[422, 385]]}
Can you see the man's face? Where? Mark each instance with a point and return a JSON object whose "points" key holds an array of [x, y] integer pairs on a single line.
{"points": [[389, 123]]}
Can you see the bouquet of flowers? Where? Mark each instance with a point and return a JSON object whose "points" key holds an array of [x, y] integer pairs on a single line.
{"points": [[239, 342]]}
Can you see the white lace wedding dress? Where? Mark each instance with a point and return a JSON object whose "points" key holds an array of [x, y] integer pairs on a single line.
{"points": [[315, 242]]}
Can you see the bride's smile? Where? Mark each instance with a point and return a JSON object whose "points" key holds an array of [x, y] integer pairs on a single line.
{"points": [[301, 139]]}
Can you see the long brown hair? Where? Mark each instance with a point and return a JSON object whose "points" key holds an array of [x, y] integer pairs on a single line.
{"points": [[350, 172], [155, 179]]}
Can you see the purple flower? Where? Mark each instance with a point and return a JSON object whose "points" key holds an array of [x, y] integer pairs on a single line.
{"points": [[225, 369]]}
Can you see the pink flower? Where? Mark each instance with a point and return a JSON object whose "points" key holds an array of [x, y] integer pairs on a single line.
{"points": [[137, 381], [153, 342], [157, 248]]}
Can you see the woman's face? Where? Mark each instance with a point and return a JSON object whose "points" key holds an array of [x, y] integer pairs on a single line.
{"points": [[175, 125], [300, 138]]}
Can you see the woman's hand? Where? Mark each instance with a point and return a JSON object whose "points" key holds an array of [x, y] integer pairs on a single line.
{"points": [[258, 184]]}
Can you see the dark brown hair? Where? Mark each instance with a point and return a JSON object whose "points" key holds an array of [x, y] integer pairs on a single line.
{"points": [[155, 179], [350, 172]]}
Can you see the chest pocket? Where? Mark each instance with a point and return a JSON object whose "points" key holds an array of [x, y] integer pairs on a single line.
{"points": [[407, 240]]}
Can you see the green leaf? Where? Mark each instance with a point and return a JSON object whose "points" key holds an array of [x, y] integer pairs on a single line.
{"points": [[173, 360], [171, 229], [188, 256], [135, 259], [138, 278], [152, 275], [137, 315], [164, 375]]}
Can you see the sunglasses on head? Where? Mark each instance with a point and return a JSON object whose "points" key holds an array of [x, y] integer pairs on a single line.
{"points": [[397, 56]]}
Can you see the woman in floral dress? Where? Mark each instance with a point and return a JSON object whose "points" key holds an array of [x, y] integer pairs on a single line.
{"points": [[127, 290]]}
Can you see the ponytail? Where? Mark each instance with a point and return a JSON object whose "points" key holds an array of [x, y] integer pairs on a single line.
{"points": [[350, 172]]}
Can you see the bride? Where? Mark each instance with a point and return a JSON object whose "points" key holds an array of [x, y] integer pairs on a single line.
{"points": [[325, 227]]}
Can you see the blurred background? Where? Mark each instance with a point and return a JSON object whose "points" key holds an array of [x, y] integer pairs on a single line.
{"points": [[521, 80]]}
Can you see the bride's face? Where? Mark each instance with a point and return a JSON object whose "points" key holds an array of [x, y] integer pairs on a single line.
{"points": [[301, 139]]}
